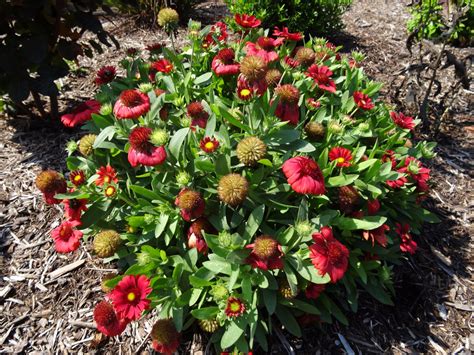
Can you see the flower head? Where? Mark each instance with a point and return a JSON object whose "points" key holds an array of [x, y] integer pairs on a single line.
{"points": [[107, 321], [322, 77], [50, 183], [224, 64], [162, 66], [74, 207], [209, 145], [288, 93], [129, 296], [106, 243], [235, 307], [348, 198], [266, 253], [110, 191], [86, 144], [264, 48], [247, 21], [341, 155], [314, 290], [373, 206], [253, 67], [208, 325], [191, 203], [402, 121], [77, 177], [273, 77], [107, 175], [155, 48], [66, 238], [377, 235], [329, 256], [168, 18], [105, 75], [195, 236], [250, 150], [315, 131], [131, 104], [164, 336], [197, 114], [407, 244], [81, 113], [218, 31], [305, 56], [304, 176], [233, 189], [284, 33], [363, 101], [142, 151]]}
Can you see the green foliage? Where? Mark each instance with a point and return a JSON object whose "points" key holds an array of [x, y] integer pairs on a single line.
{"points": [[315, 17], [41, 38], [431, 20]]}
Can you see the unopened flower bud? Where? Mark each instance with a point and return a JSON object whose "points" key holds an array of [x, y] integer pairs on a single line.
{"points": [[106, 109], [183, 178], [145, 87], [303, 228], [225, 239], [159, 137]]}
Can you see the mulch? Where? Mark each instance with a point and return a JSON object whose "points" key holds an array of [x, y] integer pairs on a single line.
{"points": [[47, 299]]}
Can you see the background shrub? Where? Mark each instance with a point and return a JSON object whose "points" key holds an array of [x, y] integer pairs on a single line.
{"points": [[317, 17]]}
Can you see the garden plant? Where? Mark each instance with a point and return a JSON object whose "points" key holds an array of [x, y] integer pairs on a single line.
{"points": [[248, 181]]}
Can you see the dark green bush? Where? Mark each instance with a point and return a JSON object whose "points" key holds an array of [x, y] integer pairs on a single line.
{"points": [[39, 37], [316, 17]]}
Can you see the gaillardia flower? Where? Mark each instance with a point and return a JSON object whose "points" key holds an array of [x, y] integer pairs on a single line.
{"points": [[322, 77], [285, 34], [107, 175], [209, 145], [142, 151], [66, 238], [77, 177], [348, 198], [250, 150], [407, 244], [162, 66], [197, 114], [304, 176], [377, 235], [264, 48], [287, 108], [305, 56], [74, 207], [105, 75], [314, 290], [129, 296], [266, 253], [233, 189], [315, 131], [50, 183], [106, 243], [402, 121], [247, 21], [107, 321], [342, 156], [81, 113], [273, 77], [86, 144], [191, 203], [329, 256], [373, 206], [253, 68], [195, 236], [164, 336], [363, 101], [224, 64], [131, 104], [235, 307]]}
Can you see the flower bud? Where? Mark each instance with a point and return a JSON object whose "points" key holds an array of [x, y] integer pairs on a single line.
{"points": [[335, 127], [145, 87], [143, 258], [183, 178], [225, 239], [168, 19], [219, 292], [159, 137], [303, 228], [106, 109], [71, 147], [315, 131], [208, 325]]}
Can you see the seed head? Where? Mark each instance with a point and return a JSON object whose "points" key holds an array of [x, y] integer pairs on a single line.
{"points": [[315, 131], [106, 243], [253, 67], [86, 144], [233, 189], [250, 150]]}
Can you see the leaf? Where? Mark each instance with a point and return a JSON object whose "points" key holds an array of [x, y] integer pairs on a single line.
{"points": [[307, 271], [150, 195], [367, 223], [342, 180], [377, 292], [177, 141], [288, 320], [231, 335], [205, 313], [270, 300], [203, 79], [72, 195], [218, 266], [106, 133], [253, 222], [198, 282], [161, 225], [366, 164]]}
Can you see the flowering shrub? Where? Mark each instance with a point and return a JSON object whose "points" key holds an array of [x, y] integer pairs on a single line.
{"points": [[241, 185]]}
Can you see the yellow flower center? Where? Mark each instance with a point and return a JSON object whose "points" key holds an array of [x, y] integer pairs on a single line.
{"points": [[341, 160], [110, 191], [77, 178], [131, 296], [235, 307], [245, 92], [209, 145], [107, 179]]}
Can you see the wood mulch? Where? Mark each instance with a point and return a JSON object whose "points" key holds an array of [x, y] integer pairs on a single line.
{"points": [[47, 299]]}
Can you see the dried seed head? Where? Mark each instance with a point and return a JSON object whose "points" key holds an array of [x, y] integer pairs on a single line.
{"points": [[285, 290], [253, 67], [273, 77], [305, 56], [288, 93], [50, 181], [315, 131], [208, 325], [250, 150], [233, 189], [164, 332], [86, 144], [189, 200], [106, 243], [348, 198], [265, 247]]}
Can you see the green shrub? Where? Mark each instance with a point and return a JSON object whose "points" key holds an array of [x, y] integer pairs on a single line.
{"points": [[316, 17]]}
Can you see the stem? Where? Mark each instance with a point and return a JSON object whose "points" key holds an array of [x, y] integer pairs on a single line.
{"points": [[54, 106], [39, 104]]}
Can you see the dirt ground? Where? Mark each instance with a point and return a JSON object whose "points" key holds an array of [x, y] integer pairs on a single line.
{"points": [[46, 299]]}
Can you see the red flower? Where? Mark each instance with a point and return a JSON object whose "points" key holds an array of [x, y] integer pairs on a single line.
{"points": [[341, 155], [264, 48], [312, 103], [390, 155], [77, 177], [291, 62], [402, 121], [74, 208], [328, 255], [162, 66], [235, 307], [209, 145], [107, 321], [107, 175], [373, 206], [287, 35], [314, 290], [129, 296], [363, 101], [304, 175], [191, 203], [223, 63], [198, 115], [396, 184], [245, 89], [142, 151], [81, 113], [131, 104], [322, 77], [155, 48], [165, 337], [247, 21], [266, 253], [289, 112], [377, 234], [195, 237], [110, 191], [407, 245], [219, 31], [66, 238], [105, 75]]}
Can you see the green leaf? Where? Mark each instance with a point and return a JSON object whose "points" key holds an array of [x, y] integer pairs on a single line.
{"points": [[288, 320], [253, 222], [377, 292], [106, 133], [72, 195], [150, 195], [198, 282], [203, 79], [342, 180], [218, 266], [307, 271], [231, 335], [205, 313], [161, 225], [177, 141], [367, 223]]}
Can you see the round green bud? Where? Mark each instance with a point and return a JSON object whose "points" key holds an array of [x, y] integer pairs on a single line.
{"points": [[183, 178], [225, 239], [143, 258], [219, 292], [106, 109], [159, 137], [71, 147], [185, 121], [145, 87], [303, 228]]}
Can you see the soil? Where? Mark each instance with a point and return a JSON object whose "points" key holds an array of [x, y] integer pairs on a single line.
{"points": [[46, 299]]}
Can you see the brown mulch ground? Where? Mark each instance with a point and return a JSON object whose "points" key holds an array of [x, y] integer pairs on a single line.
{"points": [[46, 308]]}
